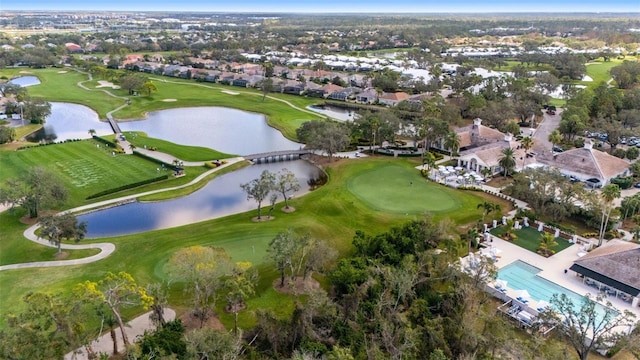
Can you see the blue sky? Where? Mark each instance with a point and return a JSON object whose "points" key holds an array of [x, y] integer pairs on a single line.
{"points": [[315, 6]]}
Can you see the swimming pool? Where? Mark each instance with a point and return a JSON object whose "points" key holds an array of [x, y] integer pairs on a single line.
{"points": [[522, 276]]}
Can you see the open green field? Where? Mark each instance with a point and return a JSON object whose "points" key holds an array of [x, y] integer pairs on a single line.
{"points": [[189, 93], [332, 213], [284, 112], [599, 72], [84, 167], [61, 84], [529, 238], [510, 64], [405, 191], [182, 152]]}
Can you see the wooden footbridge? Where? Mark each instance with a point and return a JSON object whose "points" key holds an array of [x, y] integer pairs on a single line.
{"points": [[274, 156]]}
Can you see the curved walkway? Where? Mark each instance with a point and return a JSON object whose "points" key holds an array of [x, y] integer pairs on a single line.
{"points": [[134, 328], [106, 249]]}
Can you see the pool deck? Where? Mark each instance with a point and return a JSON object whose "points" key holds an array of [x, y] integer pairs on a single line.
{"points": [[552, 269]]}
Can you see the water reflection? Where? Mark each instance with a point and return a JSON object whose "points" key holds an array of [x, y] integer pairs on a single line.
{"points": [[70, 121], [25, 81], [228, 130], [335, 112], [220, 197]]}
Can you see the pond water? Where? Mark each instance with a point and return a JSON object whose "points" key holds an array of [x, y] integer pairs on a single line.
{"points": [[335, 112], [70, 121], [220, 197], [25, 81], [228, 130]]}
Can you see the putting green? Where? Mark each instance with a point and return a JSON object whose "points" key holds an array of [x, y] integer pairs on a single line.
{"points": [[400, 189]]}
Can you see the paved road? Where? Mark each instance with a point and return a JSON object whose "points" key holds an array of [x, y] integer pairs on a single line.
{"points": [[106, 249], [541, 144], [133, 328]]}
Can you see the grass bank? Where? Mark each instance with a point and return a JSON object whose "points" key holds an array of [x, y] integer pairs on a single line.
{"points": [[284, 112], [182, 152], [332, 213]]}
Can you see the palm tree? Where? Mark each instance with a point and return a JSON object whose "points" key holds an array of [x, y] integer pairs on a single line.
{"points": [[429, 160], [508, 160], [472, 235], [508, 234], [527, 144], [486, 172], [547, 243], [607, 195], [92, 132], [487, 207], [452, 142], [555, 138]]}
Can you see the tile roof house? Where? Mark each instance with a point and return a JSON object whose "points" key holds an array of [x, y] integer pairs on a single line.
{"points": [[392, 99], [481, 147], [613, 268], [588, 163]]}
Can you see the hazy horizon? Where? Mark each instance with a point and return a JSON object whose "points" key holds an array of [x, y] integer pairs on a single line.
{"points": [[334, 6]]}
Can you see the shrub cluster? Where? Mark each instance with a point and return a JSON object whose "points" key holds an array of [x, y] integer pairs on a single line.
{"points": [[623, 182], [470, 187], [48, 143], [214, 164]]}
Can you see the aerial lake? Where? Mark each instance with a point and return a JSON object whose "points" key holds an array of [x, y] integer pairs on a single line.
{"points": [[220, 197]]}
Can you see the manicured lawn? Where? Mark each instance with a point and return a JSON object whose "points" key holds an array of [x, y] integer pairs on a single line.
{"points": [[599, 72], [405, 191], [529, 238], [332, 213], [23, 131], [60, 84], [84, 168], [186, 153], [190, 93], [15, 249]]}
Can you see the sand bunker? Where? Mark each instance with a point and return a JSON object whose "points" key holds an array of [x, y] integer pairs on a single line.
{"points": [[104, 83], [25, 72], [230, 92], [62, 72], [169, 100]]}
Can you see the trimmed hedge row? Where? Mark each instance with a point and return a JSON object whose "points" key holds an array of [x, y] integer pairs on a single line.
{"points": [[154, 160], [47, 144], [400, 154], [128, 186]]}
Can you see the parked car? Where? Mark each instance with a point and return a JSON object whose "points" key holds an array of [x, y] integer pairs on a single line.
{"points": [[637, 185], [558, 149]]}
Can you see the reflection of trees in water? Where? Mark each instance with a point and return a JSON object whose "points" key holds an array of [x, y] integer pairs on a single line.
{"points": [[43, 134], [315, 182]]}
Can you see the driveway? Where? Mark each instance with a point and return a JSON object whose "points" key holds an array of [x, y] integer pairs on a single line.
{"points": [[549, 123]]}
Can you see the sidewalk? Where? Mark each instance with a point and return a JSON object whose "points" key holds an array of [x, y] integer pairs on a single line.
{"points": [[133, 328], [106, 249]]}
